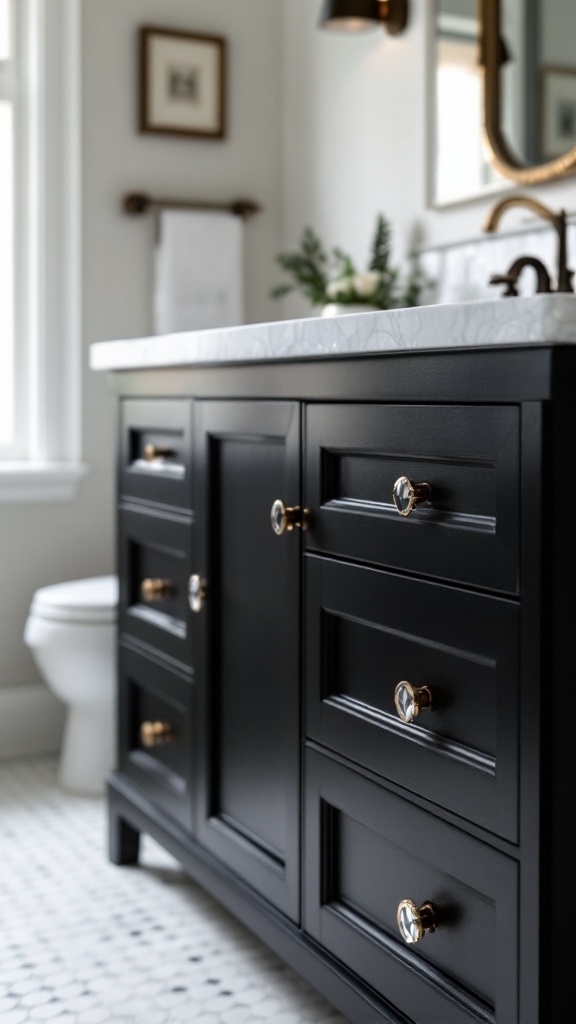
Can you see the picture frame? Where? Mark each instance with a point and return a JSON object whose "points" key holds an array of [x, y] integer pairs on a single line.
{"points": [[182, 83], [558, 111]]}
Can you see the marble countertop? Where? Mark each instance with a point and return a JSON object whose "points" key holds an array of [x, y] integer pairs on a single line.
{"points": [[536, 320]]}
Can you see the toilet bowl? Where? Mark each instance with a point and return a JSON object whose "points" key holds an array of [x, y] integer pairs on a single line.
{"points": [[71, 631]]}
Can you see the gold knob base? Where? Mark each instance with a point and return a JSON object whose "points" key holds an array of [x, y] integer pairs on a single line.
{"points": [[285, 520], [156, 590], [155, 734], [153, 452]]}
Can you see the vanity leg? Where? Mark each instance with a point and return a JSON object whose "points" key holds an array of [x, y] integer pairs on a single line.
{"points": [[123, 840]]}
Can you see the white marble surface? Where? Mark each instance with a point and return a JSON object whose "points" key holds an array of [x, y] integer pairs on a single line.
{"points": [[538, 319]]}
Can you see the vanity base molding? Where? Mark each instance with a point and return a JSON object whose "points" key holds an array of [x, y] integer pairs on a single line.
{"points": [[131, 815]]}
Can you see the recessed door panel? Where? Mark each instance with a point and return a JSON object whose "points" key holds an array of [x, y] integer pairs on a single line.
{"points": [[248, 644]]}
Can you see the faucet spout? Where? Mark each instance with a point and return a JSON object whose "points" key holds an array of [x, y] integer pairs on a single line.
{"points": [[557, 219]]}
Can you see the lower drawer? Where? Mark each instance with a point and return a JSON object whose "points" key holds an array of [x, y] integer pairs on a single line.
{"points": [[156, 711], [367, 631], [367, 850]]}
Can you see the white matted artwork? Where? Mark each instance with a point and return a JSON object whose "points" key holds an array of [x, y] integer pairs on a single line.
{"points": [[558, 111], [182, 83]]}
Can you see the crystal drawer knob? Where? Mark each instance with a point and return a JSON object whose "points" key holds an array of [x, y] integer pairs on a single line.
{"points": [[410, 701], [414, 922], [197, 593], [407, 495], [155, 590], [154, 451], [285, 520], [155, 734]]}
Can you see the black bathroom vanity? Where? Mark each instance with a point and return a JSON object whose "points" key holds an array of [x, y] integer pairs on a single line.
{"points": [[347, 646]]}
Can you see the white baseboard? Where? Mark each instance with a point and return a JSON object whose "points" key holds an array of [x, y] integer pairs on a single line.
{"points": [[31, 721]]}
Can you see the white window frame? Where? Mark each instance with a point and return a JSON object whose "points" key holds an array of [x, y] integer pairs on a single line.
{"points": [[48, 463]]}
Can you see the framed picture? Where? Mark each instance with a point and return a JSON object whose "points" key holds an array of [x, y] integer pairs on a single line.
{"points": [[182, 83], [558, 111]]}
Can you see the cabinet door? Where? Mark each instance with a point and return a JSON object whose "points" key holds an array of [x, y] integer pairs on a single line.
{"points": [[246, 652]]}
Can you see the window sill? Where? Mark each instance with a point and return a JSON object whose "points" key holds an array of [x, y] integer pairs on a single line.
{"points": [[40, 481]]}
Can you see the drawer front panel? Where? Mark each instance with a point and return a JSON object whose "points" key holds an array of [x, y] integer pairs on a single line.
{"points": [[156, 451], [155, 552], [367, 631], [155, 730], [367, 850], [467, 532]]}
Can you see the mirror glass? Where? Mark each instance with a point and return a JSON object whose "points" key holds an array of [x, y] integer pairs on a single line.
{"points": [[537, 82]]}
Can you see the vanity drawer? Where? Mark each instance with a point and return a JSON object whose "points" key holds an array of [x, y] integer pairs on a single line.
{"points": [[155, 733], [367, 850], [369, 630], [156, 451], [469, 455], [155, 566]]}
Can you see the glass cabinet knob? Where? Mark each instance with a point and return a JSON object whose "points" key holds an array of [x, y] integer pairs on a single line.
{"points": [[410, 701], [156, 590], [407, 496], [155, 451], [197, 593], [414, 922], [155, 734], [285, 520]]}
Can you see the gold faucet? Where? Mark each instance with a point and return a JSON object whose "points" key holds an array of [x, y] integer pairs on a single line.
{"points": [[558, 220]]}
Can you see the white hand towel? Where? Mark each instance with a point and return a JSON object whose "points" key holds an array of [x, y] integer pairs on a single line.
{"points": [[199, 271]]}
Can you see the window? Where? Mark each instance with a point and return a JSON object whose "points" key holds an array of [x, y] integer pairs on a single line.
{"points": [[40, 338], [7, 283]]}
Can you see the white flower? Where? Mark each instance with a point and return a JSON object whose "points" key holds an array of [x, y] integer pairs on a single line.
{"points": [[343, 287], [366, 284]]}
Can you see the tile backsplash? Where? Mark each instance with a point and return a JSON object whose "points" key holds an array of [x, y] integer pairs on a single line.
{"points": [[461, 272]]}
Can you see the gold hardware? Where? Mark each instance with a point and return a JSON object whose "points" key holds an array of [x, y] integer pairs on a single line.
{"points": [[558, 220], [410, 701], [155, 734], [156, 590], [285, 520], [414, 922], [351, 16], [502, 156], [197, 593], [154, 451], [407, 496], [394, 14]]}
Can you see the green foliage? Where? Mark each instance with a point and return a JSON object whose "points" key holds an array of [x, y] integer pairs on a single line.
{"points": [[308, 268], [381, 245], [332, 276]]}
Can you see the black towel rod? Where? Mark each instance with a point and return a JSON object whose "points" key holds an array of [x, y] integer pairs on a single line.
{"points": [[138, 203]]}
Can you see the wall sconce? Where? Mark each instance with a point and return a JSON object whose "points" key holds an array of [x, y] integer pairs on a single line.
{"points": [[359, 15]]}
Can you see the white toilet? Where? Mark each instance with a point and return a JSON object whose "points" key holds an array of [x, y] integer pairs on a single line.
{"points": [[71, 631]]}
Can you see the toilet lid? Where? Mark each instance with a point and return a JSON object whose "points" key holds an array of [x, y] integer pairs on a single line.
{"points": [[88, 600]]}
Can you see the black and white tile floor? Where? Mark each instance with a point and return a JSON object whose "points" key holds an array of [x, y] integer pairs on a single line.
{"points": [[84, 942]]}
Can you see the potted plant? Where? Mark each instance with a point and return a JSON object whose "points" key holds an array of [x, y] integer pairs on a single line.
{"points": [[330, 279]]}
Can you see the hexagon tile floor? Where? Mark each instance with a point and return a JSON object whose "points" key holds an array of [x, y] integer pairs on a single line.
{"points": [[84, 942]]}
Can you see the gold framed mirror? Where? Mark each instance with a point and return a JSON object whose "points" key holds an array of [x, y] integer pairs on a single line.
{"points": [[533, 71]]}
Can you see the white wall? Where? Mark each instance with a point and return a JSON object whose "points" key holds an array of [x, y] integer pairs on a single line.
{"points": [[355, 110], [119, 249], [43, 544]]}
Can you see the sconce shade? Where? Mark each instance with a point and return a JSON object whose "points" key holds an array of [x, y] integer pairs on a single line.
{"points": [[359, 15], [350, 15]]}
